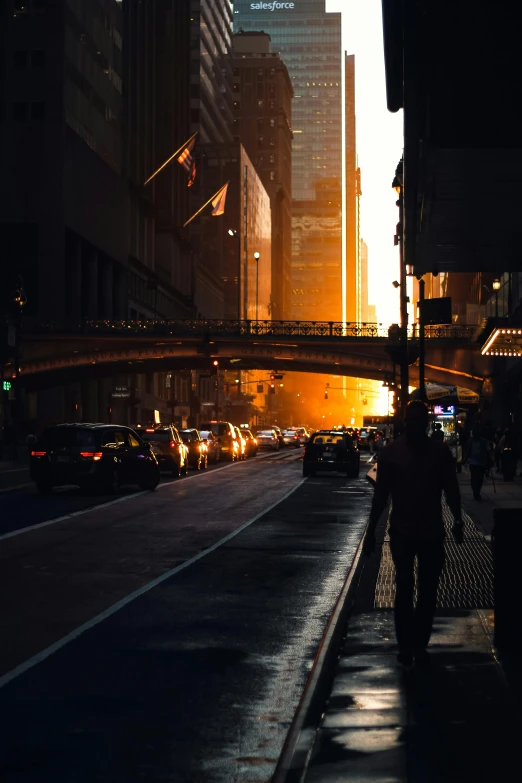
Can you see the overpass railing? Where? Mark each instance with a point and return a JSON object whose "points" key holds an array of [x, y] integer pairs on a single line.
{"points": [[202, 328]]}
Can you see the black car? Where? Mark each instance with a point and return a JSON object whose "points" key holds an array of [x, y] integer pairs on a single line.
{"points": [[226, 435], [213, 447], [101, 456], [331, 451], [167, 445], [197, 448]]}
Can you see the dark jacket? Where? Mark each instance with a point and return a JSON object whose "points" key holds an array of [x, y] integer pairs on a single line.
{"points": [[414, 475]]}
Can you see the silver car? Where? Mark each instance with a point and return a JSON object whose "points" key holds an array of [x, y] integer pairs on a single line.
{"points": [[267, 439]]}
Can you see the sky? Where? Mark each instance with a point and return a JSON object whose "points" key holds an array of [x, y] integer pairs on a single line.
{"points": [[379, 149]]}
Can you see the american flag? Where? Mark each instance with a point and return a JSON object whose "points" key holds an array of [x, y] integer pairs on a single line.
{"points": [[188, 162]]}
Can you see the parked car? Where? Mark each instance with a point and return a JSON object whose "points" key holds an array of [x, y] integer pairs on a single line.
{"points": [[213, 447], [331, 451], [167, 445], [92, 456], [279, 434], [251, 443], [226, 435], [197, 448], [242, 443], [267, 439], [291, 438]]}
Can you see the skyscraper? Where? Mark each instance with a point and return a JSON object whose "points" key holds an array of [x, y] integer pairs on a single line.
{"points": [[309, 40], [262, 122]]}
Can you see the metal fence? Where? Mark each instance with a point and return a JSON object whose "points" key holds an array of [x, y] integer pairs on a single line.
{"points": [[203, 328]]}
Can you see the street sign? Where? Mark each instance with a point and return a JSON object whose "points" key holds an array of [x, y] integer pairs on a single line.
{"points": [[277, 377], [120, 391]]}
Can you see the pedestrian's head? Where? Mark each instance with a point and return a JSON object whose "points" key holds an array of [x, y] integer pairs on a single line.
{"points": [[416, 419]]}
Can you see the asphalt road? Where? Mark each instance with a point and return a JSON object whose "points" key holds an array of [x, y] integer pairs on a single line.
{"points": [[168, 636]]}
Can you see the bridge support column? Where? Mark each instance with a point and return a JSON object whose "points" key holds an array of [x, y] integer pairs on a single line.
{"points": [[90, 283], [106, 290]]}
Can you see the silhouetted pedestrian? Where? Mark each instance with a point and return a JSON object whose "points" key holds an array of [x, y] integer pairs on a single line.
{"points": [[478, 456], [415, 470], [438, 432]]}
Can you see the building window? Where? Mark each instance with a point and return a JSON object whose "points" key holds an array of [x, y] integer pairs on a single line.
{"points": [[272, 122], [272, 175], [21, 6], [235, 87], [37, 58], [20, 59], [272, 105], [260, 123], [272, 141], [37, 110], [260, 90], [272, 157], [259, 160], [271, 89], [19, 111], [237, 105], [260, 104], [235, 71], [272, 72], [260, 141], [261, 72]]}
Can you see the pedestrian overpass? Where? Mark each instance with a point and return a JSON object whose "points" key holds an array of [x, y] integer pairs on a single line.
{"points": [[50, 355]]}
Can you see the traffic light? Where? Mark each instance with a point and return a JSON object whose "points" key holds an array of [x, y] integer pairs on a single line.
{"points": [[326, 394], [272, 377], [271, 388]]}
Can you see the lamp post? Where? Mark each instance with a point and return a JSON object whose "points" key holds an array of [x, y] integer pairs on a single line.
{"points": [[234, 233], [256, 256], [496, 289], [398, 186]]}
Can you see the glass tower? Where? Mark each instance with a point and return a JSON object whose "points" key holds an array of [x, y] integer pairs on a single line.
{"points": [[309, 40]]}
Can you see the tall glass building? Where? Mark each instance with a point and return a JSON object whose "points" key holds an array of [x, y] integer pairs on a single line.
{"points": [[309, 40]]}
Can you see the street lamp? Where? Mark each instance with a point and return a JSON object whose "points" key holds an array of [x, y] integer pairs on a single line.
{"points": [[256, 256], [398, 186], [496, 289], [234, 233]]}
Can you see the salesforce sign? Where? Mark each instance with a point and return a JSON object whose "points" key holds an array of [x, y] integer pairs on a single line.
{"points": [[271, 6]]}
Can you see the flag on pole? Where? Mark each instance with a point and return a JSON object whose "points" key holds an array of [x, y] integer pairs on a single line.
{"points": [[187, 161], [185, 148], [218, 202]]}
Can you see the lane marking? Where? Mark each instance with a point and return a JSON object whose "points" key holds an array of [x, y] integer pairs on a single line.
{"points": [[47, 523], [14, 470], [48, 651], [16, 486]]}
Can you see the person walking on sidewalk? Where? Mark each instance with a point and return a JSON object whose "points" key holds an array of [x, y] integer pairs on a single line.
{"points": [[415, 470], [478, 456]]}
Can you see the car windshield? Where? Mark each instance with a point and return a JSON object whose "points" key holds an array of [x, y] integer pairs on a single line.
{"points": [[63, 437], [188, 435], [205, 435], [328, 438], [217, 428], [266, 432]]}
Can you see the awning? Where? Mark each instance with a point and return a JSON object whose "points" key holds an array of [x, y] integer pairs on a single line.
{"points": [[436, 392]]}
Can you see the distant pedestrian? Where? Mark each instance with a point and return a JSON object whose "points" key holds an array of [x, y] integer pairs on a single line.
{"points": [[438, 433], [415, 470], [507, 447], [478, 456]]}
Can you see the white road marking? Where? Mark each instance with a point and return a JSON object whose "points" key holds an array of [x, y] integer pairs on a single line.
{"points": [[15, 486], [14, 470], [82, 511], [48, 651]]}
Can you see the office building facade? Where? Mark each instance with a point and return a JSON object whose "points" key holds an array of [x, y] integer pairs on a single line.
{"points": [[309, 41], [262, 122]]}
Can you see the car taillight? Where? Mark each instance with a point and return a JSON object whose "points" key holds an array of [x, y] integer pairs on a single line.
{"points": [[172, 444], [38, 453], [95, 455]]}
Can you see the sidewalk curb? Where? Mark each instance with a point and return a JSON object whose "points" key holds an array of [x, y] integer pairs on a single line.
{"points": [[297, 749]]}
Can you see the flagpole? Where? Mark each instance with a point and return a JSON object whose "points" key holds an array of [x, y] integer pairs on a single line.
{"points": [[171, 157], [205, 204]]}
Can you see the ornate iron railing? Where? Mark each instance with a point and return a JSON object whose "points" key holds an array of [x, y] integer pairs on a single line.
{"points": [[203, 328]]}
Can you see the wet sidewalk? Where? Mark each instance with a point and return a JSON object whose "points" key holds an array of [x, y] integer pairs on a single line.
{"points": [[496, 493], [456, 719]]}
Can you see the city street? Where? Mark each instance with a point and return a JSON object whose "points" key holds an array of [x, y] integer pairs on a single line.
{"points": [[168, 635]]}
